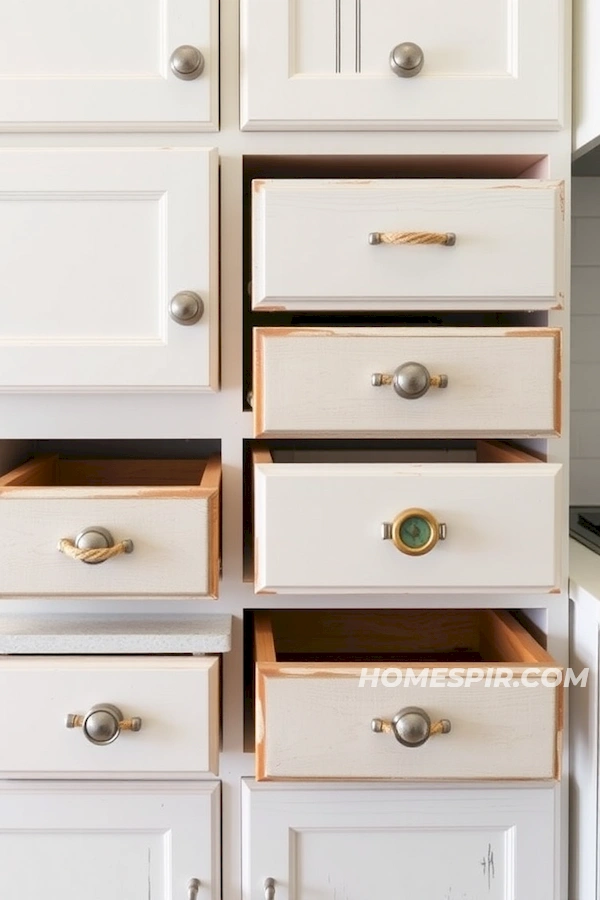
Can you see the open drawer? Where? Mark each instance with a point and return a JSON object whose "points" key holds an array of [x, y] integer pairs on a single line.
{"points": [[411, 694], [480, 519], [110, 527]]}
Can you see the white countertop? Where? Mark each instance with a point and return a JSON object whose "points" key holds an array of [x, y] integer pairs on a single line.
{"points": [[61, 633]]}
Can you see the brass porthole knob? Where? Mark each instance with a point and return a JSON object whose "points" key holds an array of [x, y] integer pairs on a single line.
{"points": [[411, 727], [414, 532]]}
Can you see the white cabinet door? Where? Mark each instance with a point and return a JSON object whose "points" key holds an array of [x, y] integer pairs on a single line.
{"points": [[109, 842], [94, 244], [310, 64], [586, 75], [408, 843], [68, 65]]}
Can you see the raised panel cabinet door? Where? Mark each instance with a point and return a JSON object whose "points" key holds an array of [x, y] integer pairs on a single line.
{"points": [[94, 246], [310, 64], [68, 65], [379, 841], [68, 841]]}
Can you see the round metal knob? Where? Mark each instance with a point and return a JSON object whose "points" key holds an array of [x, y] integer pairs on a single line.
{"points": [[412, 726], [412, 380], [187, 62], [193, 888], [406, 60], [103, 723], [186, 308]]}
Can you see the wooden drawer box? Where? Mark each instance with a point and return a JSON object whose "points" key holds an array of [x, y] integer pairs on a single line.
{"points": [[384, 245], [453, 521], [175, 699], [327, 382], [161, 518], [469, 843], [335, 690]]}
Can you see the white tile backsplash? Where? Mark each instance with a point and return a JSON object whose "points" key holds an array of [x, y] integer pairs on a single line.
{"points": [[585, 343]]}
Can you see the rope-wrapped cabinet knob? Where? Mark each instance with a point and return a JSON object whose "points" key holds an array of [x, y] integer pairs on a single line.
{"points": [[413, 238], [103, 723], [94, 545], [410, 381], [411, 727]]}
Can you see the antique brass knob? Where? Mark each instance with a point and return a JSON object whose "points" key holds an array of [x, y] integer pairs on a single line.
{"points": [[414, 532], [411, 727], [411, 380], [103, 723], [406, 60]]}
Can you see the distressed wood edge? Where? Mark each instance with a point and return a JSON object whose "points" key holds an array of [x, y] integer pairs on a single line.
{"points": [[503, 630], [499, 452], [264, 641], [30, 472]]}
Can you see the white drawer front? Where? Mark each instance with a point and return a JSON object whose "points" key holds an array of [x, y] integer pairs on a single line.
{"points": [[311, 65], [68, 66], [311, 247], [318, 382], [173, 545], [482, 844], [177, 700], [100, 840], [496, 731], [318, 527], [107, 239]]}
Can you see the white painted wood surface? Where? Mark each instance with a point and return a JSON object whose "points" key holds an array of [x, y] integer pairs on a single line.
{"points": [[93, 246], [172, 546], [104, 66], [586, 75], [498, 731], [310, 65], [177, 699], [316, 382], [311, 250], [484, 844], [318, 527], [130, 842]]}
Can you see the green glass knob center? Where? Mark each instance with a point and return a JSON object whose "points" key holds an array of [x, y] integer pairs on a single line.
{"points": [[415, 532]]}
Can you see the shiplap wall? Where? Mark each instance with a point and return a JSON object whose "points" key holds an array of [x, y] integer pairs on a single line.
{"points": [[585, 345]]}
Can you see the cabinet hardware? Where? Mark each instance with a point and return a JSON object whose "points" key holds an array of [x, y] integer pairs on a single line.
{"points": [[414, 532], [94, 545], [187, 62], [269, 888], [186, 308], [411, 726], [406, 59], [411, 380], [193, 888], [410, 238], [103, 723]]}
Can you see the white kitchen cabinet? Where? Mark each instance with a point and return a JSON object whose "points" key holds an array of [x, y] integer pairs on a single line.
{"points": [[313, 65], [406, 244], [586, 75], [413, 382], [94, 247], [105, 65], [66, 841], [407, 522], [376, 840], [110, 716]]}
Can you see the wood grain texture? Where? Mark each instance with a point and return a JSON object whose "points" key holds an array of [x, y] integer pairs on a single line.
{"points": [[311, 249], [177, 699], [316, 382], [38, 471]]}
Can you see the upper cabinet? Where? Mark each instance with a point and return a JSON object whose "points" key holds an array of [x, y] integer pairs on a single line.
{"points": [[109, 268], [586, 75], [139, 65], [400, 64]]}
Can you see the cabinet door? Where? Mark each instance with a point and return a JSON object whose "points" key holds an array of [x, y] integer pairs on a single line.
{"points": [[94, 244], [67, 64], [71, 841], [488, 844], [310, 64], [586, 75]]}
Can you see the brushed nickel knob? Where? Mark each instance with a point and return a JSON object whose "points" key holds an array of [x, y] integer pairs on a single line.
{"points": [[406, 60], [97, 538], [412, 380], [411, 726], [103, 723], [187, 62], [186, 308], [193, 888], [269, 887]]}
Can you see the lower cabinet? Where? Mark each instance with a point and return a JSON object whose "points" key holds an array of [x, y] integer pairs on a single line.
{"points": [[74, 840], [454, 843]]}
